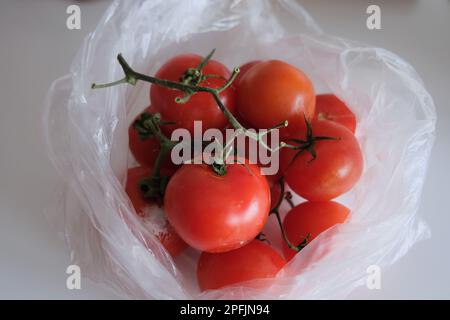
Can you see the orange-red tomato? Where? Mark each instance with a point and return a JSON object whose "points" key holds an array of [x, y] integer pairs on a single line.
{"points": [[272, 92], [336, 169], [311, 218], [201, 106], [148, 210], [329, 107], [217, 213], [256, 260]]}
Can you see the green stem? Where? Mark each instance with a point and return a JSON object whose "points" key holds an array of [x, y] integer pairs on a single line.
{"points": [[276, 211]]}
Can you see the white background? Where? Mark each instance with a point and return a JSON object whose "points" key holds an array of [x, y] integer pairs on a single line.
{"points": [[36, 47]]}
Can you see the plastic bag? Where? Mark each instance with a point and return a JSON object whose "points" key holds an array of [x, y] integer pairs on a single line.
{"points": [[88, 144]]}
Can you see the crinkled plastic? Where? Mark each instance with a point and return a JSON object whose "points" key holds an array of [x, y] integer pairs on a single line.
{"points": [[88, 144]]}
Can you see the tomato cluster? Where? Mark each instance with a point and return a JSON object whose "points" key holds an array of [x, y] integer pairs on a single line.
{"points": [[220, 210]]}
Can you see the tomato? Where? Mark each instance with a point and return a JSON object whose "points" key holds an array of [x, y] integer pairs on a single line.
{"points": [[201, 106], [329, 107], [217, 213], [144, 151], [272, 92], [151, 215], [311, 218], [256, 260], [243, 70], [336, 169]]}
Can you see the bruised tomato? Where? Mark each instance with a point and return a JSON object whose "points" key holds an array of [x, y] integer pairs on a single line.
{"points": [[256, 260]]}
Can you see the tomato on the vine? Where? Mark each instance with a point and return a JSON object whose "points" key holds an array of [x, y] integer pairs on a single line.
{"points": [[256, 260], [272, 92], [311, 219], [150, 213], [335, 170], [329, 107], [201, 106], [217, 213], [144, 151]]}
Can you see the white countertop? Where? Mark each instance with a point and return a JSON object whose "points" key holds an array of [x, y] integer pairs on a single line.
{"points": [[36, 48]]}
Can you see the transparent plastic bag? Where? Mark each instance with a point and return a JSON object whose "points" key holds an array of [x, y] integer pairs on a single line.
{"points": [[88, 144]]}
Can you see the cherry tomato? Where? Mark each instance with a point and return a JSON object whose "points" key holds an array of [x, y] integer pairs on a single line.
{"points": [[272, 92], [243, 70], [217, 213], [201, 106], [256, 260], [151, 215], [336, 169], [329, 107], [311, 218]]}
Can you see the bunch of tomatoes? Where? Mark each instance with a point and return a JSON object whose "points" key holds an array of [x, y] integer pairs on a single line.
{"points": [[222, 213]]}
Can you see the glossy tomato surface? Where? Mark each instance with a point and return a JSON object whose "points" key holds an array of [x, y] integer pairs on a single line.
{"points": [[217, 213], [272, 92], [150, 214], [329, 107], [336, 169], [256, 260], [201, 106], [311, 218]]}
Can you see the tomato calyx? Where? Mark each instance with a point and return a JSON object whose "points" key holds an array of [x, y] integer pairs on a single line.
{"points": [[148, 125], [286, 195], [308, 144]]}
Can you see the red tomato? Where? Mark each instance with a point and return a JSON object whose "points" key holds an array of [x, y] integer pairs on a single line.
{"points": [[272, 92], [243, 70], [256, 260], [275, 194], [311, 218], [329, 107], [151, 214], [336, 169], [217, 213], [144, 151], [201, 106]]}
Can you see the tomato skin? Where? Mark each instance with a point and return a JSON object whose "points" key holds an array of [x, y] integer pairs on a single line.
{"points": [[146, 208], [201, 106], [336, 169], [311, 218], [243, 70], [329, 107], [272, 92], [256, 260], [217, 213]]}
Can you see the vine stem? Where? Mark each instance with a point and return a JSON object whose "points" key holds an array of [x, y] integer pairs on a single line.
{"points": [[276, 211], [132, 77]]}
